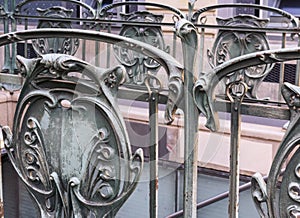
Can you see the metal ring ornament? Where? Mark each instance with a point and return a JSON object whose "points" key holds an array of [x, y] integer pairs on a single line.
{"points": [[233, 94]]}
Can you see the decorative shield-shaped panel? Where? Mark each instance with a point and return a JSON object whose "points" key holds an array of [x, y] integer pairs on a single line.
{"points": [[138, 64], [55, 45], [232, 44], [69, 143]]}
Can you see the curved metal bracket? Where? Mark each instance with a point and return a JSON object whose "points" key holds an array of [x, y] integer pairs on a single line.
{"points": [[204, 88]]}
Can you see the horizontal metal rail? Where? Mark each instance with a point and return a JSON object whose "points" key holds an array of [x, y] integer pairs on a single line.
{"points": [[215, 199]]}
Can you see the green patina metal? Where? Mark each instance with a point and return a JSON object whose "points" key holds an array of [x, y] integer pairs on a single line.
{"points": [[72, 172]]}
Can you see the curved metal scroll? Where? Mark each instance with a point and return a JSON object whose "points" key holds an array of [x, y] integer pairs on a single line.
{"points": [[204, 89], [287, 205], [281, 193], [231, 44], [26, 7], [291, 18], [69, 143], [104, 11], [172, 67]]}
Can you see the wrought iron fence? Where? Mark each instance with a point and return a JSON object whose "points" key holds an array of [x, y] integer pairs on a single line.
{"points": [[77, 56]]}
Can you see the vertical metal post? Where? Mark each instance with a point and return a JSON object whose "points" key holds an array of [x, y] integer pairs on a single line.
{"points": [[297, 82], [108, 48], [187, 32], [83, 51], [6, 66], [153, 120], [97, 58], [1, 180], [201, 50], [26, 42], [97, 49], [235, 92], [190, 148], [177, 189], [14, 45], [174, 45], [282, 66]]}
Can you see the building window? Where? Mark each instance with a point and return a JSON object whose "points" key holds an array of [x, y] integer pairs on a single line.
{"points": [[290, 6], [245, 10]]}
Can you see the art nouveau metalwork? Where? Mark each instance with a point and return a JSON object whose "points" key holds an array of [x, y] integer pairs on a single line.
{"points": [[73, 172], [235, 91], [204, 97], [204, 90], [281, 193], [173, 68], [55, 45], [69, 144], [148, 31], [188, 34], [28, 7], [231, 44], [74, 96], [139, 65]]}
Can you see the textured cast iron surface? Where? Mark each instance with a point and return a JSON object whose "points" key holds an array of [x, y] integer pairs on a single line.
{"points": [[69, 143]]}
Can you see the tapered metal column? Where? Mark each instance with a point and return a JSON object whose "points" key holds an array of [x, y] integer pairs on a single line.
{"points": [[13, 66], [1, 180], [282, 67], [235, 92], [153, 116], [297, 79], [188, 34], [6, 66]]}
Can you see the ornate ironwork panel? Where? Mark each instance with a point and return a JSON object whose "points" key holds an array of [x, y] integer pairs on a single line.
{"points": [[140, 65], [281, 193], [69, 144], [28, 7], [232, 44], [55, 45]]}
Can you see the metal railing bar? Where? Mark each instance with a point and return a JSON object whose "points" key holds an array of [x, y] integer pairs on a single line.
{"points": [[201, 49], [118, 21], [235, 136], [83, 54], [18, 7], [292, 18], [90, 20], [108, 48], [174, 45], [260, 109], [26, 42], [247, 29], [282, 66], [297, 79], [153, 185], [215, 199], [163, 6]]}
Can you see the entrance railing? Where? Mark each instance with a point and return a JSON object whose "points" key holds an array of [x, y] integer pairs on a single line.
{"points": [[75, 62]]}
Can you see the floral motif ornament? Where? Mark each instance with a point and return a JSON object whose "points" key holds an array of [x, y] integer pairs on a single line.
{"points": [[287, 205], [285, 200], [232, 44], [103, 173], [138, 64], [55, 45]]}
